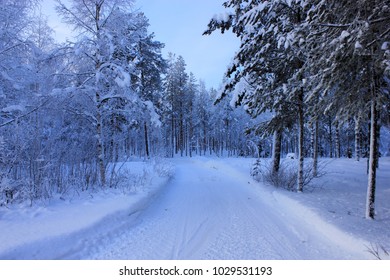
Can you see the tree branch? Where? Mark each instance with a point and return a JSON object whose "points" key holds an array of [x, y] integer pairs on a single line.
{"points": [[333, 25], [26, 114], [380, 36]]}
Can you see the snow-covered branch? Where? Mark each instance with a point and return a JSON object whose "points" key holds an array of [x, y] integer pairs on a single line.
{"points": [[25, 114]]}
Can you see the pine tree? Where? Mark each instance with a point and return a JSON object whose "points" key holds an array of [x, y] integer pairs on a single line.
{"points": [[350, 50], [271, 61], [189, 115], [175, 101], [147, 78], [203, 116]]}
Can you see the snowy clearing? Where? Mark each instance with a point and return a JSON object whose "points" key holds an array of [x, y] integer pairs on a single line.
{"points": [[210, 209]]}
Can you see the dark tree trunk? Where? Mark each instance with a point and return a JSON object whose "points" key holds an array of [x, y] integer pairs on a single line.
{"points": [[276, 150], [300, 142], [314, 146], [337, 140], [146, 140], [371, 187], [330, 137], [357, 138]]}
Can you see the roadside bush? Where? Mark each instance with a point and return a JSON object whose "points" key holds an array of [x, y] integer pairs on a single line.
{"points": [[287, 175], [163, 167], [378, 251]]}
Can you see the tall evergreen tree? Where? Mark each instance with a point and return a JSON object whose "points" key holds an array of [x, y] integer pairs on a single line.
{"points": [[271, 60], [147, 78], [175, 100], [350, 50]]}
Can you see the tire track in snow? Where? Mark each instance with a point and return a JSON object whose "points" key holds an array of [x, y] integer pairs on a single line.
{"points": [[177, 226], [209, 211]]}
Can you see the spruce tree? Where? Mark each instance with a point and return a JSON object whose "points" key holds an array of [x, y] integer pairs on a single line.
{"points": [[350, 51]]}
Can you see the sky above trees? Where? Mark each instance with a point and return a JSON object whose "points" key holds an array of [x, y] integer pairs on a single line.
{"points": [[178, 24]]}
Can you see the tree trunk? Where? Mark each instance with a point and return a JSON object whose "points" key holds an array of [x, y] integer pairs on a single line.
{"points": [[276, 150], [146, 140], [337, 140], [172, 136], [330, 138], [370, 204], [191, 134], [99, 114], [314, 140], [357, 138], [378, 136], [204, 138], [99, 146], [300, 142], [181, 135]]}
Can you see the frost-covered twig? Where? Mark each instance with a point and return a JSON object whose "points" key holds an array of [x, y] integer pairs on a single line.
{"points": [[377, 250]]}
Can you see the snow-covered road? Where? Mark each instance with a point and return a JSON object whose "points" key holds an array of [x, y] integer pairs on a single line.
{"points": [[209, 210]]}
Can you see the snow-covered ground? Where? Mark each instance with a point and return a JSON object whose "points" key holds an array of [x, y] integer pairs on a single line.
{"points": [[209, 209]]}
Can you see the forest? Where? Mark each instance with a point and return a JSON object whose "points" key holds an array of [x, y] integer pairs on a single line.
{"points": [[310, 77]]}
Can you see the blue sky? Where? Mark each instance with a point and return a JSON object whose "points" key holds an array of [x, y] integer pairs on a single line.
{"points": [[180, 24]]}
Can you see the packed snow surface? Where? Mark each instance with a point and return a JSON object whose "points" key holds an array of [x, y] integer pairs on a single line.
{"points": [[209, 209]]}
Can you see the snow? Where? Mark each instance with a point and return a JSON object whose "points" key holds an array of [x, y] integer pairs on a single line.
{"points": [[123, 78], [222, 17], [281, 41], [13, 108], [209, 209], [344, 34], [291, 156], [5, 76], [261, 6], [358, 46], [385, 46], [236, 94], [154, 117]]}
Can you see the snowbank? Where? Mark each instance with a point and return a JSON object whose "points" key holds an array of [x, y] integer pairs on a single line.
{"points": [[22, 225]]}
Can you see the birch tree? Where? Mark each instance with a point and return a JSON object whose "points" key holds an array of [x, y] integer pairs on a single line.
{"points": [[104, 47]]}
